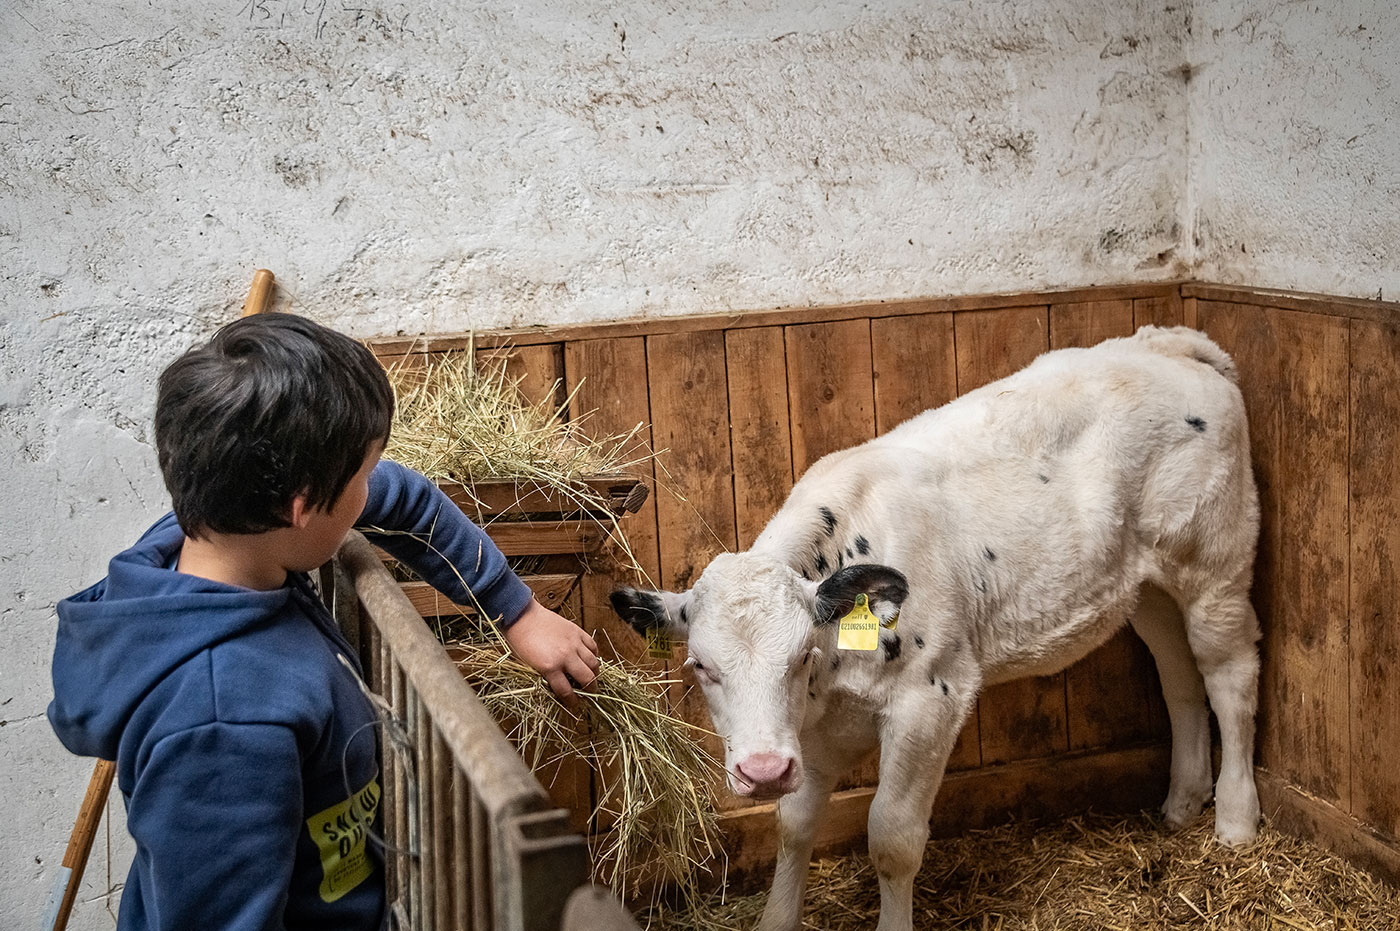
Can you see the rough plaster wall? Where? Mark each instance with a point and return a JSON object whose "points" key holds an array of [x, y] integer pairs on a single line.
{"points": [[430, 166], [1294, 176]]}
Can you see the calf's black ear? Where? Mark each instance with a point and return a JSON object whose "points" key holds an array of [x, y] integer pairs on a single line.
{"points": [[653, 610], [885, 588]]}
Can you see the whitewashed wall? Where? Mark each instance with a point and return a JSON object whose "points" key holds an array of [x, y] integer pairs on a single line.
{"points": [[1295, 145], [424, 167]]}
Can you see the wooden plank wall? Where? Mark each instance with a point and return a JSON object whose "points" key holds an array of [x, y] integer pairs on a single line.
{"points": [[740, 406], [1321, 382], [743, 404]]}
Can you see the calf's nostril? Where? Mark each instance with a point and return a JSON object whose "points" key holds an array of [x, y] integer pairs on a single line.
{"points": [[765, 768]]}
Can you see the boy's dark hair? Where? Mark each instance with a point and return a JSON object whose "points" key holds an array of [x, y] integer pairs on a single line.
{"points": [[274, 406]]}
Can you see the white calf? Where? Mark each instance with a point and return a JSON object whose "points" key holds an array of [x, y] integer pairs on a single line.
{"points": [[1010, 532]]}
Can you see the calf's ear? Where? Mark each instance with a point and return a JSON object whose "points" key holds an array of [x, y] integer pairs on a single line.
{"points": [[653, 610], [885, 588]]}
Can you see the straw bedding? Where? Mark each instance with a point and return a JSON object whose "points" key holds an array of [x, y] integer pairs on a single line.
{"points": [[1095, 872]]}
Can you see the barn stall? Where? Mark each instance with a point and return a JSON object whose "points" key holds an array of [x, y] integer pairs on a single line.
{"points": [[739, 405]]}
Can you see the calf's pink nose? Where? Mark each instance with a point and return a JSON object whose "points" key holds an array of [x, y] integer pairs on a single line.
{"points": [[764, 769]]}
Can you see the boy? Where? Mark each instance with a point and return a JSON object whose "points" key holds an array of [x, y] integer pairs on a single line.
{"points": [[206, 666]]}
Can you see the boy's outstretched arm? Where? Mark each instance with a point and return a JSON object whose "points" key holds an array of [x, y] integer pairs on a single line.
{"points": [[413, 520]]}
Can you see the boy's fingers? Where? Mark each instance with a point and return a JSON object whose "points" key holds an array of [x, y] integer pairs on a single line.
{"points": [[582, 672], [559, 682], [589, 642]]}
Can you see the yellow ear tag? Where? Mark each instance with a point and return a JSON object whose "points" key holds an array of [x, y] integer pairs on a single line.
{"points": [[859, 629], [658, 644]]}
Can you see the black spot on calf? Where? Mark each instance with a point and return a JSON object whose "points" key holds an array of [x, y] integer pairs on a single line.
{"points": [[987, 552], [822, 564], [829, 519], [919, 642], [892, 648], [862, 546], [945, 687], [1044, 479], [1197, 424]]}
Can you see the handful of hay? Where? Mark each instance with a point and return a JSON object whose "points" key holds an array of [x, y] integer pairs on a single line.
{"points": [[656, 779]]}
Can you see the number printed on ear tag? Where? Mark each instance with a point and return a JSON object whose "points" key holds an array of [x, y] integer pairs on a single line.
{"points": [[859, 629], [658, 644]]}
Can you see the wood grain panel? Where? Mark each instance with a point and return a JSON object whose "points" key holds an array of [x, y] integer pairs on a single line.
{"points": [[915, 366], [690, 421], [608, 380], [1109, 693], [1089, 323], [1026, 718], [1375, 582], [539, 370], [916, 370], [1311, 615], [759, 431], [1247, 333], [695, 497], [1166, 310], [831, 395]]}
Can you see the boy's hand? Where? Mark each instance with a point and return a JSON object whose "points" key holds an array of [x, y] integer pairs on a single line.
{"points": [[555, 647]]}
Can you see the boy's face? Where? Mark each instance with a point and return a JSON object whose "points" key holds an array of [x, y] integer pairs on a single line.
{"points": [[320, 532]]}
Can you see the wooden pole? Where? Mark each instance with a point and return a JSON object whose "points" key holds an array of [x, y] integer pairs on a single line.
{"points": [[80, 843], [259, 293]]}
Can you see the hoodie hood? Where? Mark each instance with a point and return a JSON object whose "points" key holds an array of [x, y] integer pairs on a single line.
{"points": [[121, 636]]}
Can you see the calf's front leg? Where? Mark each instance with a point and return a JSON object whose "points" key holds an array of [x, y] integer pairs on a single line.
{"points": [[915, 743], [830, 747], [799, 816]]}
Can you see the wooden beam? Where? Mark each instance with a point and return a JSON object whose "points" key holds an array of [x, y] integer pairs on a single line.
{"points": [[550, 590], [1351, 307], [1296, 812], [650, 326]]}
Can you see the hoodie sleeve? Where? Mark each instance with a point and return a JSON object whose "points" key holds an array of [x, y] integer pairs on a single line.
{"points": [[216, 811], [429, 533]]}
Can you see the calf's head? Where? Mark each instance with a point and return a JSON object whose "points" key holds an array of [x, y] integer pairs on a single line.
{"points": [[754, 628]]}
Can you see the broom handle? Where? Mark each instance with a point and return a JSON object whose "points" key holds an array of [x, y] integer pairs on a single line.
{"points": [[80, 842], [258, 293]]}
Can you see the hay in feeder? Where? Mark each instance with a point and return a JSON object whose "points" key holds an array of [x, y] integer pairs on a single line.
{"points": [[457, 422], [1087, 874], [655, 778]]}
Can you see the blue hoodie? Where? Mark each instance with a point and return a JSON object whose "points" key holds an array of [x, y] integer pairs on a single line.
{"points": [[246, 752]]}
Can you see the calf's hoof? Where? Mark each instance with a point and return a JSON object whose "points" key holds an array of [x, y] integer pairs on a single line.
{"points": [[1183, 808]]}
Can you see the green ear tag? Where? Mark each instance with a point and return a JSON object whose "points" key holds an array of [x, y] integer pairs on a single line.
{"points": [[658, 644], [859, 630]]}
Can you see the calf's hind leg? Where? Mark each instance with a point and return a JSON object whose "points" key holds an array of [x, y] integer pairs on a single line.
{"points": [[1224, 633], [1159, 623]]}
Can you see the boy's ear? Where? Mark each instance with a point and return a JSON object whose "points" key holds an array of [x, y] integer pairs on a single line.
{"points": [[885, 588], [298, 513], [652, 610]]}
